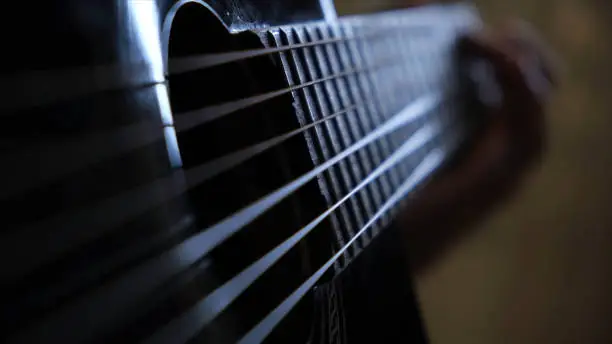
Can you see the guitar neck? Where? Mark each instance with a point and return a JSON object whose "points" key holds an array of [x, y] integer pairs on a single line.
{"points": [[393, 74]]}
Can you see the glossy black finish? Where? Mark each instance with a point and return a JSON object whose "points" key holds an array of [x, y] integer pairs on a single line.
{"points": [[131, 39], [99, 201], [93, 182]]}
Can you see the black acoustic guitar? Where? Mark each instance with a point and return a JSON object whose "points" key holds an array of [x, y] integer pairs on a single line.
{"points": [[218, 171]]}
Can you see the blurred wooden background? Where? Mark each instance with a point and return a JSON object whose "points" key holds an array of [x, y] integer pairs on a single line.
{"points": [[540, 269]]}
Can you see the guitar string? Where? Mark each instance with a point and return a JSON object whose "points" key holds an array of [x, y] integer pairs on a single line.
{"points": [[131, 203], [132, 137], [206, 171], [49, 86], [183, 64], [182, 328], [53, 85], [141, 196], [134, 202], [155, 271], [122, 208], [260, 331], [180, 65], [209, 238], [59, 159], [187, 120], [198, 316], [347, 245]]}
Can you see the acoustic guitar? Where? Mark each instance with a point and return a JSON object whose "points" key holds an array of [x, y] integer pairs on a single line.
{"points": [[219, 171]]}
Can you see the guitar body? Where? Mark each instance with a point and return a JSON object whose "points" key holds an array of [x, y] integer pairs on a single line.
{"points": [[222, 171]]}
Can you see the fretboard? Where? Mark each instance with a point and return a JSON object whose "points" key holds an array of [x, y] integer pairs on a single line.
{"points": [[388, 84]]}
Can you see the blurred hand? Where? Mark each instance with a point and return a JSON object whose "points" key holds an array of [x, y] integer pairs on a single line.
{"points": [[514, 136], [512, 140]]}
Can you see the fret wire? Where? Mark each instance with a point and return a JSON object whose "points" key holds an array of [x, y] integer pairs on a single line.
{"points": [[216, 302], [357, 85], [324, 146], [378, 111], [153, 272], [325, 99], [258, 333], [337, 93], [340, 180]]}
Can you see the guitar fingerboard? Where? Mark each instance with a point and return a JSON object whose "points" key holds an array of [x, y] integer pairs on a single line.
{"points": [[372, 68]]}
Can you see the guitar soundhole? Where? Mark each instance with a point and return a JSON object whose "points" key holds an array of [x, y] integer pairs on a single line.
{"points": [[197, 32]]}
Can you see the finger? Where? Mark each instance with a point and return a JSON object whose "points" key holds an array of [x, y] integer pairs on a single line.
{"points": [[518, 65], [528, 40], [537, 77], [521, 109], [496, 51]]}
